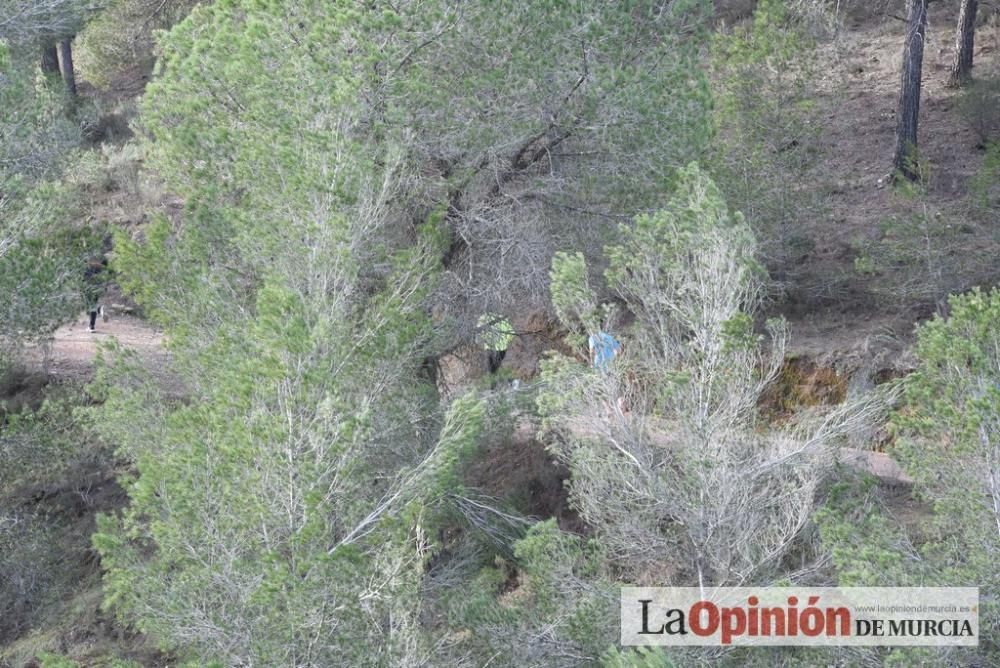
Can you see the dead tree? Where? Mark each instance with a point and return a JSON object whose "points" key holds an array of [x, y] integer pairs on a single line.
{"points": [[965, 33], [905, 158]]}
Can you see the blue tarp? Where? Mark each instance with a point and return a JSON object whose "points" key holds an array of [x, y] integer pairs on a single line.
{"points": [[603, 348]]}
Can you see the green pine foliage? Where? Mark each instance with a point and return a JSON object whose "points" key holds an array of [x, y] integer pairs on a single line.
{"points": [[561, 610], [256, 98], [945, 439], [311, 462], [299, 474]]}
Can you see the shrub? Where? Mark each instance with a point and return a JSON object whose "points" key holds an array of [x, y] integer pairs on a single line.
{"points": [[946, 434], [922, 255], [984, 186], [49, 660], [42, 264], [562, 610], [949, 434], [979, 104], [38, 450]]}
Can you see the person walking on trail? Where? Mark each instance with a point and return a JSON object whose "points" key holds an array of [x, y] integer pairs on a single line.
{"points": [[603, 349], [93, 284], [495, 333]]}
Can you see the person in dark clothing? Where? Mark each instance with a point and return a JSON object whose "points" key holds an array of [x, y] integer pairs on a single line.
{"points": [[93, 279], [494, 358]]}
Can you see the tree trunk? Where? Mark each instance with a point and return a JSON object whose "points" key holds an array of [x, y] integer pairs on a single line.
{"points": [[905, 160], [50, 59], [66, 61], [965, 34]]}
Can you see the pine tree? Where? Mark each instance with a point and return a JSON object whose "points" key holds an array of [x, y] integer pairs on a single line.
{"points": [[965, 35], [905, 158]]}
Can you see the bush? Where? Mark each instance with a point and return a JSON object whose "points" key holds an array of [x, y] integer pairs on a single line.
{"points": [[112, 168], [946, 438], [38, 450], [949, 434], [922, 255], [563, 612], [985, 184], [979, 104], [48, 660], [39, 445], [42, 270]]}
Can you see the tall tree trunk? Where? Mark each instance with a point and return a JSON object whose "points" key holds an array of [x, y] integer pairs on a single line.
{"points": [[66, 61], [904, 161], [50, 59], [965, 34]]}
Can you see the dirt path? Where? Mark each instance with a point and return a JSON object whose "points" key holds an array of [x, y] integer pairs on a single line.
{"points": [[70, 354]]}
